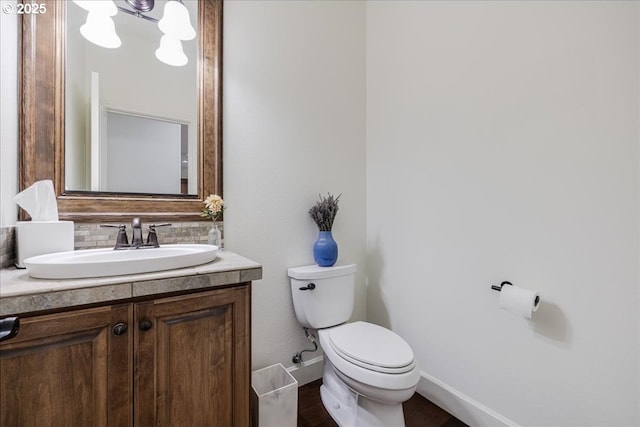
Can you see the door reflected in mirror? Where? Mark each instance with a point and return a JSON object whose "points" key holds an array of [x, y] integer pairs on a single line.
{"points": [[131, 123]]}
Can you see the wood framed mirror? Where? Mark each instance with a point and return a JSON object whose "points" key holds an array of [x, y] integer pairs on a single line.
{"points": [[42, 123]]}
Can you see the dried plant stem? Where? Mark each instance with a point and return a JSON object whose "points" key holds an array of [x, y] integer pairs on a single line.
{"points": [[324, 212]]}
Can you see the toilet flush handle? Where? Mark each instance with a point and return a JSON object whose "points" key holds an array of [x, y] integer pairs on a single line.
{"points": [[309, 287]]}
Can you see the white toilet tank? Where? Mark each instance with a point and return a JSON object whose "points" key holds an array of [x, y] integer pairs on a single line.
{"points": [[327, 295]]}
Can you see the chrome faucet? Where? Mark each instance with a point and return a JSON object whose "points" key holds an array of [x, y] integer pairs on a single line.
{"points": [[137, 242]]}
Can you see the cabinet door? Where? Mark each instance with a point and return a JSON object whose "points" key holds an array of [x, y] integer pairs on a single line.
{"points": [[192, 360], [68, 369]]}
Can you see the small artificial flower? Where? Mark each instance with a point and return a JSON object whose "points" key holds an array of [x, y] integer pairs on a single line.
{"points": [[213, 207]]}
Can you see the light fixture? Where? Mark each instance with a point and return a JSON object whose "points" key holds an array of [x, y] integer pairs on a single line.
{"points": [[170, 51], [175, 25], [141, 5], [176, 22], [99, 28]]}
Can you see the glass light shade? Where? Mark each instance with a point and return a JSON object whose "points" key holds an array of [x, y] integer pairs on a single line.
{"points": [[170, 51], [101, 7], [100, 30], [176, 21]]}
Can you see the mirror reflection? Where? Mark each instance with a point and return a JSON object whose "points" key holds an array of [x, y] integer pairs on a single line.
{"points": [[131, 108]]}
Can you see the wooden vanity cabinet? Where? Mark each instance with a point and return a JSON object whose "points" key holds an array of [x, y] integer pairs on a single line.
{"points": [[173, 361], [68, 369], [192, 360]]}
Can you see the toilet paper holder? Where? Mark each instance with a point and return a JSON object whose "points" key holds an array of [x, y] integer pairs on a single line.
{"points": [[499, 288]]}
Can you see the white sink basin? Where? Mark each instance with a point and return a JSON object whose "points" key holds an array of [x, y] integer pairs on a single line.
{"points": [[108, 262]]}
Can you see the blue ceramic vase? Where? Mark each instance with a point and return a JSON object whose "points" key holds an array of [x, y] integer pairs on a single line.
{"points": [[325, 249]]}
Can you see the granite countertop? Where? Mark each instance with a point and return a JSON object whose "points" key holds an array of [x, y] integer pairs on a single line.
{"points": [[20, 293]]}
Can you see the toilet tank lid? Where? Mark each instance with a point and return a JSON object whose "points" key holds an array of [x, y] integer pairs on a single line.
{"points": [[309, 272]]}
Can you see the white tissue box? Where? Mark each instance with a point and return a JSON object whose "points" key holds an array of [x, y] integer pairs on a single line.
{"points": [[42, 237]]}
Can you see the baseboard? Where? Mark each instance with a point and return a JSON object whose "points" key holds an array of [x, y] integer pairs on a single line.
{"points": [[460, 405], [309, 371], [451, 400]]}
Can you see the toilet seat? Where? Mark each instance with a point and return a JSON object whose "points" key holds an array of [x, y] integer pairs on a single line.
{"points": [[372, 347], [403, 374]]}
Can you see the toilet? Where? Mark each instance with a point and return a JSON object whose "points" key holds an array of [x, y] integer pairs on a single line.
{"points": [[368, 370]]}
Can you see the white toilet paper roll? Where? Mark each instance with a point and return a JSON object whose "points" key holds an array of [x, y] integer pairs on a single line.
{"points": [[519, 301]]}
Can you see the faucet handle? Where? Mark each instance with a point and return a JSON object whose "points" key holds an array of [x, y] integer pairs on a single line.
{"points": [[121, 239], [152, 237]]}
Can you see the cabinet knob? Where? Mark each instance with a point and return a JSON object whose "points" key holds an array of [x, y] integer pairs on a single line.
{"points": [[119, 329], [145, 325]]}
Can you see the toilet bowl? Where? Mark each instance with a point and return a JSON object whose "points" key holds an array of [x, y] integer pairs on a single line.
{"points": [[368, 370]]}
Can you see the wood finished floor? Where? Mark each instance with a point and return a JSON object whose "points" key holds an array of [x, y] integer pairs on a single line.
{"points": [[418, 411]]}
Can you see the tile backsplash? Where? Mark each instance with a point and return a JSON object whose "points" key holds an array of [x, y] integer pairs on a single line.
{"points": [[91, 236]]}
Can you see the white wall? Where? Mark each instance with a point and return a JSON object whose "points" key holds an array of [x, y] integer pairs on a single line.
{"points": [[8, 116], [294, 127], [502, 144]]}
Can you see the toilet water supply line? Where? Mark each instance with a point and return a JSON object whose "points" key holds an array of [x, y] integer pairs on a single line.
{"points": [[297, 358]]}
